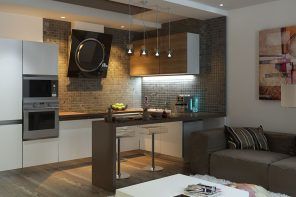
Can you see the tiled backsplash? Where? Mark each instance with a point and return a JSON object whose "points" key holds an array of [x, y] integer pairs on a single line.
{"points": [[93, 95], [210, 85]]}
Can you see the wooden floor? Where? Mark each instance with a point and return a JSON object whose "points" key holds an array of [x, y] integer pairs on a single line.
{"points": [[74, 178]]}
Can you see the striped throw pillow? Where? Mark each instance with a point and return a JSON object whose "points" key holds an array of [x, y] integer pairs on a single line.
{"points": [[259, 138], [239, 138], [246, 138]]}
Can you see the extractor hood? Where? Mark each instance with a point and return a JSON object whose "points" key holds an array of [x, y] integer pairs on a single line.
{"points": [[89, 55]]}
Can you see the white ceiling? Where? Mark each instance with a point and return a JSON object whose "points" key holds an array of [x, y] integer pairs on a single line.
{"points": [[169, 10], [54, 10], [232, 4]]}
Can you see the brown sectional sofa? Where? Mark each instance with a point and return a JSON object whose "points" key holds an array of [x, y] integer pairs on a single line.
{"points": [[275, 169]]}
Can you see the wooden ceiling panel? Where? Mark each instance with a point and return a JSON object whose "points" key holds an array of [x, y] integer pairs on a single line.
{"points": [[106, 5]]}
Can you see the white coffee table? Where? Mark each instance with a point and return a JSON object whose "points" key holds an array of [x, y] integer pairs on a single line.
{"points": [[172, 186]]}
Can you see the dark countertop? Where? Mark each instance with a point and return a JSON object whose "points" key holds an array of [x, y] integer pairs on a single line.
{"points": [[184, 117], [67, 116]]}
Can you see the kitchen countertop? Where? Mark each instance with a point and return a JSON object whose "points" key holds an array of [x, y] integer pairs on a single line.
{"points": [[66, 116], [185, 117]]}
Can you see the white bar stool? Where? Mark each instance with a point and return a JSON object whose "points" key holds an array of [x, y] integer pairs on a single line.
{"points": [[153, 130], [122, 132]]}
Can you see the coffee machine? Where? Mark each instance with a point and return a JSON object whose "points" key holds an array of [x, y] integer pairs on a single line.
{"points": [[186, 103]]}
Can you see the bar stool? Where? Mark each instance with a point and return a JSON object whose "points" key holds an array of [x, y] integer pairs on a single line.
{"points": [[154, 130], [122, 132]]}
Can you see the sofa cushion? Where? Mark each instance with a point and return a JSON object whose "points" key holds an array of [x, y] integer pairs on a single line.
{"points": [[281, 142], [259, 137], [239, 138], [246, 138], [244, 166], [282, 176]]}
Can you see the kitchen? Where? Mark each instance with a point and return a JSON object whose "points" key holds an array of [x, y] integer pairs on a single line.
{"points": [[83, 100]]}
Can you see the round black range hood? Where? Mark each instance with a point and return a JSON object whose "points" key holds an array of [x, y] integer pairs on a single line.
{"points": [[89, 55]]}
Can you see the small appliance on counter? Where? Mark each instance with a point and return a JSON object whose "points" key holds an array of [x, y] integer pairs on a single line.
{"points": [[186, 104]]}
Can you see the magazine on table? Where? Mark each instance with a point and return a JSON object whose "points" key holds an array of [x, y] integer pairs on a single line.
{"points": [[200, 190]]}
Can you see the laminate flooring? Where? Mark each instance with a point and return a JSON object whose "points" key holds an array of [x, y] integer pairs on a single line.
{"points": [[70, 179]]}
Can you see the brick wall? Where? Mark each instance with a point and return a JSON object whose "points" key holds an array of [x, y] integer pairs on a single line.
{"points": [[93, 95], [210, 85]]}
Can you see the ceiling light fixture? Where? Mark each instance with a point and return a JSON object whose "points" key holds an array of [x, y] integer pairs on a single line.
{"points": [[122, 26], [221, 5], [62, 17], [169, 50], [130, 50]]}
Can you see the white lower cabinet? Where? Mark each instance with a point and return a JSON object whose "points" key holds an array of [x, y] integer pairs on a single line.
{"points": [[169, 143], [75, 142], [75, 139], [10, 147], [39, 152]]}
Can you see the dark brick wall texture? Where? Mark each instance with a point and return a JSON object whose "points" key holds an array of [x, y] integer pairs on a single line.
{"points": [[94, 95], [210, 85]]}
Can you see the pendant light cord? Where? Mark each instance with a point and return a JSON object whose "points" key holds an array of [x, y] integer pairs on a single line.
{"points": [[169, 29], [157, 27], [144, 27], [130, 22]]}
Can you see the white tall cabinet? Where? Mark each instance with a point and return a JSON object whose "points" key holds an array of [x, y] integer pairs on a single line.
{"points": [[10, 104], [10, 79], [40, 58]]}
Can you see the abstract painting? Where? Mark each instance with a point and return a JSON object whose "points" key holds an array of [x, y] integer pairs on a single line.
{"points": [[277, 61]]}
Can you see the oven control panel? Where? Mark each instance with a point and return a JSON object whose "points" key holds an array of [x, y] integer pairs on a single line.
{"points": [[41, 105]]}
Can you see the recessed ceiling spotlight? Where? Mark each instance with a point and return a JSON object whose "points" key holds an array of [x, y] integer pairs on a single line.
{"points": [[221, 5], [122, 26], [63, 17]]}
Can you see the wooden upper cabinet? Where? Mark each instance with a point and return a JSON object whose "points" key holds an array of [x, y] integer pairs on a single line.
{"points": [[144, 65], [178, 62], [185, 56]]}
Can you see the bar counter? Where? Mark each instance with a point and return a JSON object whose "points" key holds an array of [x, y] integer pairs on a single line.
{"points": [[104, 144]]}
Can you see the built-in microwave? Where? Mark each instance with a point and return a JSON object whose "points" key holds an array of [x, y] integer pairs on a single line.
{"points": [[41, 119], [36, 87]]}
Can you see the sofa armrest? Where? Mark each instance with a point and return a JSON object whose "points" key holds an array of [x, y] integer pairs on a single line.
{"points": [[202, 144]]}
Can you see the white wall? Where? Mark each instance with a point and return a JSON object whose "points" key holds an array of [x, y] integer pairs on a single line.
{"points": [[243, 106], [21, 27]]}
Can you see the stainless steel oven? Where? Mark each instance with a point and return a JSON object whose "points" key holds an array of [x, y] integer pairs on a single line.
{"points": [[41, 119], [39, 87]]}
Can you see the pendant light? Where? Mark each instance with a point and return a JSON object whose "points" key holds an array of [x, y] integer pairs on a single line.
{"points": [[130, 50], [157, 38], [169, 50], [144, 51]]}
